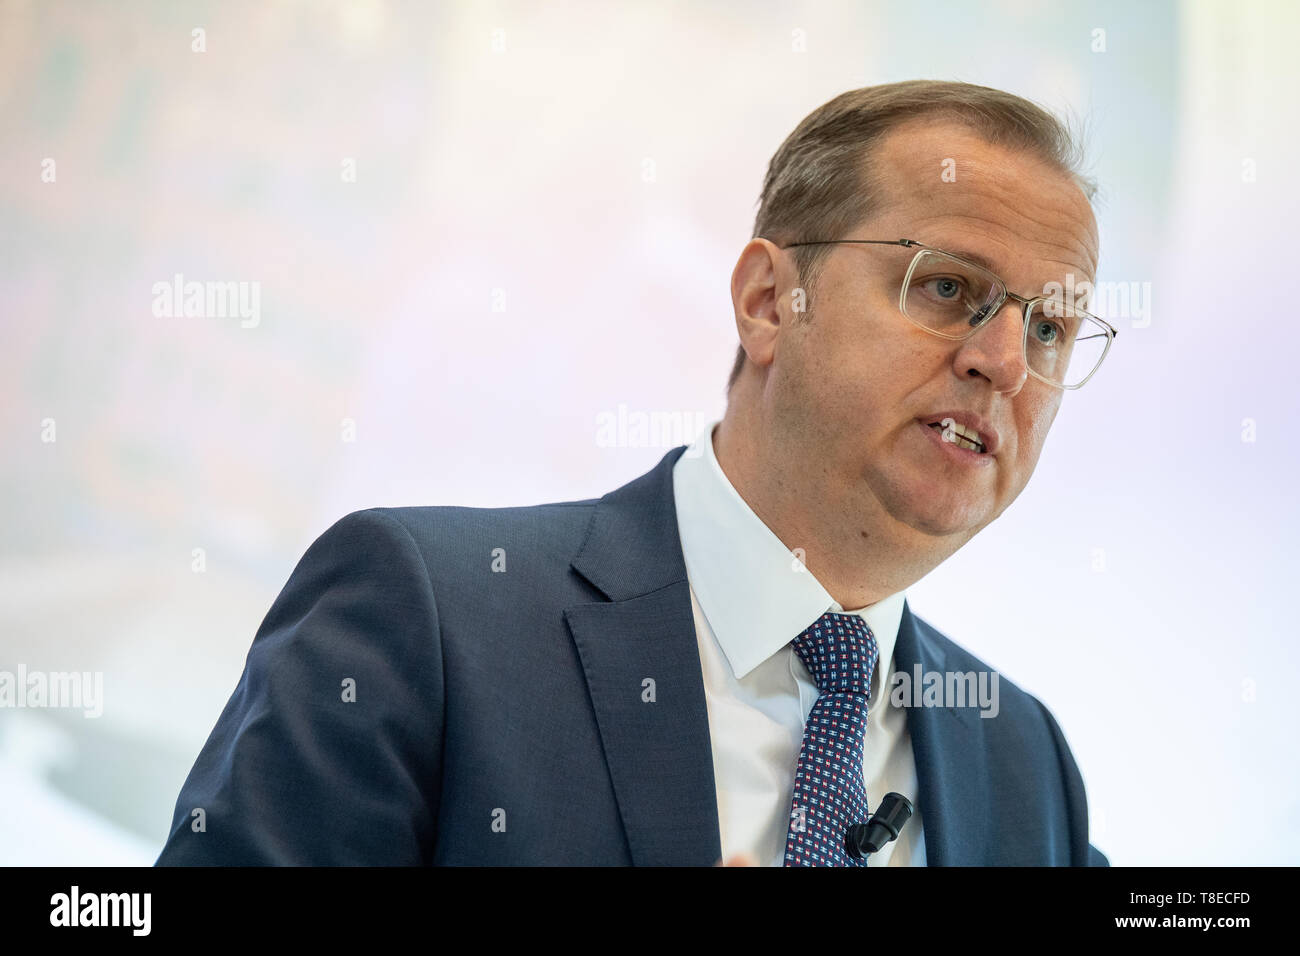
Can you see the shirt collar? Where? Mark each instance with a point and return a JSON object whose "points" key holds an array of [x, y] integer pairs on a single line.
{"points": [[744, 577]]}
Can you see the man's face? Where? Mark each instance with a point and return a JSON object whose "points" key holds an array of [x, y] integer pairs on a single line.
{"points": [[849, 391]]}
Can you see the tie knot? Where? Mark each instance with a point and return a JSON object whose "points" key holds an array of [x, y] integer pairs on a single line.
{"points": [[839, 651]]}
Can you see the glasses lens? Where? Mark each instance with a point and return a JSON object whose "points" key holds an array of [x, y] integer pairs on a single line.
{"points": [[948, 296], [1063, 344]]}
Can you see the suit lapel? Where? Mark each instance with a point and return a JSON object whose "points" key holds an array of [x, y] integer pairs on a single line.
{"points": [[948, 747], [642, 665]]}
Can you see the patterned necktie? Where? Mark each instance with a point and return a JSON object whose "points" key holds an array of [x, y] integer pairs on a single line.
{"points": [[840, 652]]}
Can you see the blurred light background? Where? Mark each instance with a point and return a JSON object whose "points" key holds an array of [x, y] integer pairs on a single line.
{"points": [[477, 227]]}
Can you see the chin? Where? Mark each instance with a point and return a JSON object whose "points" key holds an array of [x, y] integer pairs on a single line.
{"points": [[939, 522], [945, 527]]}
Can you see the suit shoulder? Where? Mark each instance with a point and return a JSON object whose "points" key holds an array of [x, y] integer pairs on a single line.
{"points": [[958, 658], [457, 543], [1029, 716], [449, 523]]}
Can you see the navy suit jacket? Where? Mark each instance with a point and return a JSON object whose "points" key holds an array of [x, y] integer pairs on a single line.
{"points": [[498, 714]]}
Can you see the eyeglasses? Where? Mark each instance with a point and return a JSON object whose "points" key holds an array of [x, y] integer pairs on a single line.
{"points": [[953, 298]]}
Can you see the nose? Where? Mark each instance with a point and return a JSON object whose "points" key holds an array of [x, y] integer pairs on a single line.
{"points": [[996, 351]]}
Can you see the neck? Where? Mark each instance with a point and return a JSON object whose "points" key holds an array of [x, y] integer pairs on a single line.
{"points": [[860, 559]]}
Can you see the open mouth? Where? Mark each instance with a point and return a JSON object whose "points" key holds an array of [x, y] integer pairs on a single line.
{"points": [[959, 435]]}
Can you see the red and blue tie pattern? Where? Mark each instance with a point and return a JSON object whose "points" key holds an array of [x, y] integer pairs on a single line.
{"points": [[840, 652]]}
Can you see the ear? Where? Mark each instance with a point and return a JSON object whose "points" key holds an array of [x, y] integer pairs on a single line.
{"points": [[760, 293]]}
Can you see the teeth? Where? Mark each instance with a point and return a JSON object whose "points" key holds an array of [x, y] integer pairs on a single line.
{"points": [[962, 436], [967, 433]]}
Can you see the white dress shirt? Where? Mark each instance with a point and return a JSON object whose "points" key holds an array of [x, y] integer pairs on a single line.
{"points": [[751, 598]]}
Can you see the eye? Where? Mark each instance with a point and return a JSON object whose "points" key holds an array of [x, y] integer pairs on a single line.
{"points": [[1047, 333], [946, 287]]}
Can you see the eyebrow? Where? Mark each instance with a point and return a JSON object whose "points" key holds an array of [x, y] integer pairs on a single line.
{"points": [[980, 260], [974, 257]]}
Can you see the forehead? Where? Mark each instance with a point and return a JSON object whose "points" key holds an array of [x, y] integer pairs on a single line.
{"points": [[943, 185]]}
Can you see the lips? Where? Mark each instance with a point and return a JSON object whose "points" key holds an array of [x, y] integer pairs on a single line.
{"points": [[966, 425]]}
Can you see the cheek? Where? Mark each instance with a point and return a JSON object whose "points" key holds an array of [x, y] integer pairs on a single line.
{"points": [[1032, 434], [827, 395], [878, 346]]}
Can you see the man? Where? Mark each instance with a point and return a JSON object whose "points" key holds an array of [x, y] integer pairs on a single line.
{"points": [[700, 665]]}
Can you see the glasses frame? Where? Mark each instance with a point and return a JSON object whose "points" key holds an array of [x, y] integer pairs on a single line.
{"points": [[1005, 293]]}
